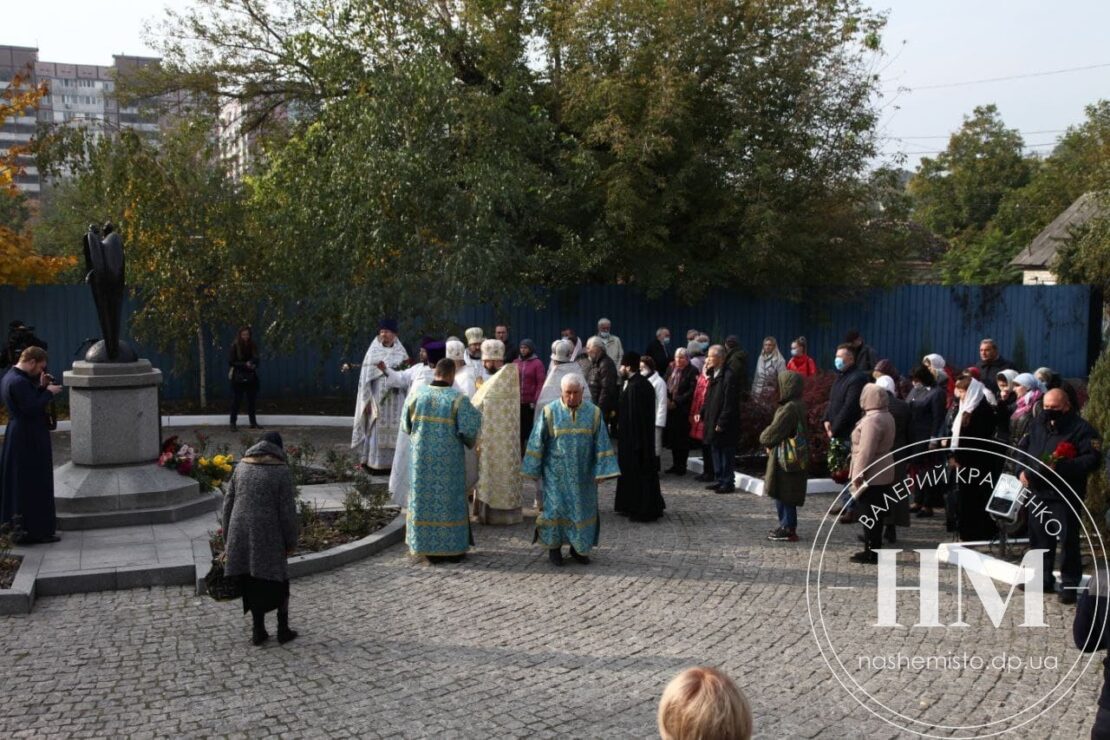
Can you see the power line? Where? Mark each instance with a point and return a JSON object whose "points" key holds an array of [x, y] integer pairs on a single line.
{"points": [[941, 151], [946, 136], [1027, 75]]}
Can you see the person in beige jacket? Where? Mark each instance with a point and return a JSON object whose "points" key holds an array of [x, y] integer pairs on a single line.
{"points": [[872, 469]]}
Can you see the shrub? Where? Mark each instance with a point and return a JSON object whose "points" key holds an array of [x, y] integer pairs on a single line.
{"points": [[1097, 412]]}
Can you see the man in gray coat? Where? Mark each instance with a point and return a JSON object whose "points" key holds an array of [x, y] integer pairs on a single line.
{"points": [[261, 529]]}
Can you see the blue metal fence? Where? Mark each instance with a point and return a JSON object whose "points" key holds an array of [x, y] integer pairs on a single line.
{"points": [[1035, 325]]}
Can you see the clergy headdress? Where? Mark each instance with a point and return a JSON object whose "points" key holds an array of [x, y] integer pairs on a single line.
{"points": [[474, 335], [493, 349], [562, 350], [436, 352], [390, 324], [455, 350]]}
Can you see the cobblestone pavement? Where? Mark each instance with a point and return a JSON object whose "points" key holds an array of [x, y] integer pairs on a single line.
{"points": [[505, 645]]}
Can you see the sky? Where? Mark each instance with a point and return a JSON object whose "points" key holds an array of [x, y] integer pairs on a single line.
{"points": [[927, 43]]}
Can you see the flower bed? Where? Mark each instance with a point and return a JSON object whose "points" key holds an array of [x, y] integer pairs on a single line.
{"points": [[9, 566]]}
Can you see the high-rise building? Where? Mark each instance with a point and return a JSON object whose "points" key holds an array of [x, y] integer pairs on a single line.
{"points": [[80, 95]]}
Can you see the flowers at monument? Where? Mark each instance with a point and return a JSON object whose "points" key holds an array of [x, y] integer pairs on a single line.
{"points": [[177, 456], [209, 472], [213, 472]]}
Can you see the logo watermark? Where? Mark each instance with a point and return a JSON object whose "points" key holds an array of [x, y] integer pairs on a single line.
{"points": [[935, 621]]}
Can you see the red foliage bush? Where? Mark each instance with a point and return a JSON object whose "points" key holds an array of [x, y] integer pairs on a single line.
{"points": [[756, 414]]}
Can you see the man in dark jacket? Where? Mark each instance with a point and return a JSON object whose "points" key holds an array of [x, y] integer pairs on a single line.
{"points": [[660, 350], [721, 414], [601, 377], [736, 359], [843, 410], [1053, 508], [1090, 634], [863, 353], [990, 363], [638, 495]]}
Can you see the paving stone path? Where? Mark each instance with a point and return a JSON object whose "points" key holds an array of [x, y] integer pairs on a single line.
{"points": [[505, 645]]}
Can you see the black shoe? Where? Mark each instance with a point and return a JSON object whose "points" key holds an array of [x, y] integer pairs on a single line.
{"points": [[256, 426], [1068, 595], [924, 513], [714, 487], [774, 534], [680, 473], [39, 540], [867, 556], [234, 428], [726, 489], [784, 535], [286, 635], [257, 637], [670, 471], [703, 478], [455, 558], [890, 534], [555, 555], [583, 559]]}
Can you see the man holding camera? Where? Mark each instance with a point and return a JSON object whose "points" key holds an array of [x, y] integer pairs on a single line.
{"points": [[26, 461]]}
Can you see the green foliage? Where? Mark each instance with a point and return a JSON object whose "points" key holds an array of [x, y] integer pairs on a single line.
{"points": [[484, 148], [1085, 258], [1097, 412]]}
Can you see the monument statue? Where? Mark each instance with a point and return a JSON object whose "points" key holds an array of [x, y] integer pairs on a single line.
{"points": [[104, 273]]}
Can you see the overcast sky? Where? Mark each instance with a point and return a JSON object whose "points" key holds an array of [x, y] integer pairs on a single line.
{"points": [[928, 43]]}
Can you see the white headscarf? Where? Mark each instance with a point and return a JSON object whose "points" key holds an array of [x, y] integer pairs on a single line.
{"points": [[936, 362], [973, 396]]}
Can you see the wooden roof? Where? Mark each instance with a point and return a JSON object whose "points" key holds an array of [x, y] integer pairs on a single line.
{"points": [[1041, 252]]}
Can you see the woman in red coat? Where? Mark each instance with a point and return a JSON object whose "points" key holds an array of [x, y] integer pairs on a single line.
{"points": [[800, 362], [697, 427]]}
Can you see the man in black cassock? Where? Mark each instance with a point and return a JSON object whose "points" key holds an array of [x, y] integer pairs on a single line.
{"points": [[26, 463], [638, 494]]}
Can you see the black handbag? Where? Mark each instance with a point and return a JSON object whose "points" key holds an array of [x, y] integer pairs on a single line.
{"points": [[222, 587]]}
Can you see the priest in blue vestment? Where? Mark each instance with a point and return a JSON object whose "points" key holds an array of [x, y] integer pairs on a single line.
{"points": [[441, 423], [569, 449]]}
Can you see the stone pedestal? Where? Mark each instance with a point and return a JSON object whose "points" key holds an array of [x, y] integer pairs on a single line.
{"points": [[114, 479]]}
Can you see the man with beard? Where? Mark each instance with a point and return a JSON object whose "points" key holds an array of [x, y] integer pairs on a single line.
{"points": [[378, 407], [638, 494]]}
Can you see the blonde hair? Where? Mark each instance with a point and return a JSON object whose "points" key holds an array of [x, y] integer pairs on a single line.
{"points": [[704, 704], [33, 354]]}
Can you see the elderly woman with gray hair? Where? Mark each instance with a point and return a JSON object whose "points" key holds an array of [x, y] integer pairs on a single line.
{"points": [[261, 528]]}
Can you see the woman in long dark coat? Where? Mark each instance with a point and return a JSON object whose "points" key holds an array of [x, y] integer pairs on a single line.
{"points": [[972, 429], [788, 489], [26, 464], [243, 374], [261, 528], [682, 379]]}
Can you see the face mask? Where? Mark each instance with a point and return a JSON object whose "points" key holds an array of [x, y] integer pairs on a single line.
{"points": [[603, 334], [666, 340], [916, 385], [1054, 416], [704, 346], [795, 352], [838, 363]]}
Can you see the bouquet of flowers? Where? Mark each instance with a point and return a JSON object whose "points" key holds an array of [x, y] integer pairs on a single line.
{"points": [[213, 472], [1064, 451], [177, 456], [839, 460]]}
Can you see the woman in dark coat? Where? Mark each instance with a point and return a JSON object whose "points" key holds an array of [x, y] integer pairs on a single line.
{"points": [[682, 379], [26, 464], [928, 402], [788, 489], [261, 528], [972, 429], [243, 375]]}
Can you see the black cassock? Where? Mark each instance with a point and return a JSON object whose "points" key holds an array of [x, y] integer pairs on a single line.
{"points": [[26, 464], [638, 493]]}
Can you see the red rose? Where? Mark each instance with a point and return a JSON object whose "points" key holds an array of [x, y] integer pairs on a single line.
{"points": [[1065, 451]]}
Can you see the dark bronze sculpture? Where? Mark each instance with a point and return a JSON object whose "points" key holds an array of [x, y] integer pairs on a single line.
{"points": [[104, 273]]}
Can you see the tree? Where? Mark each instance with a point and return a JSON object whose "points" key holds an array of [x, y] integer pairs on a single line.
{"points": [[192, 261], [958, 193], [19, 263], [1085, 257], [453, 150]]}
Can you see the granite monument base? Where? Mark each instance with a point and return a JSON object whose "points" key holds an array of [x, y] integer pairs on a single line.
{"points": [[114, 479]]}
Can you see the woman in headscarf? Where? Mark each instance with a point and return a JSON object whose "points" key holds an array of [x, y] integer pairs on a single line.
{"points": [[1028, 392], [697, 427], [261, 526], [972, 432], [937, 364], [787, 488], [1007, 400], [767, 368]]}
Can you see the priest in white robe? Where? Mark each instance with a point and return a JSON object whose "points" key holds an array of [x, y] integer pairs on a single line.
{"points": [[467, 385], [474, 338], [380, 399], [497, 497]]}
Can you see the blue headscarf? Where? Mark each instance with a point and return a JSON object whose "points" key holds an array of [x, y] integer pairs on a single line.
{"points": [[1030, 381]]}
